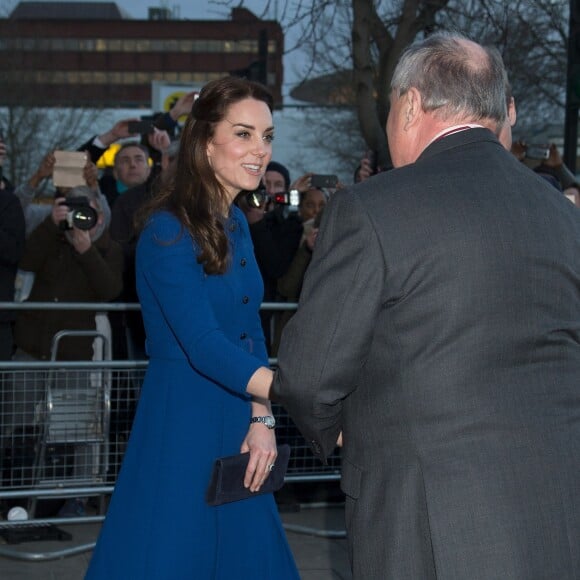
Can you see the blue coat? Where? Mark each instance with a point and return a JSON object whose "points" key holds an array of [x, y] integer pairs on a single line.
{"points": [[205, 341]]}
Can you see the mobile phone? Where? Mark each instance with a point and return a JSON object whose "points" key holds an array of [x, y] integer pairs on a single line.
{"points": [[140, 127], [290, 198], [324, 180], [537, 152]]}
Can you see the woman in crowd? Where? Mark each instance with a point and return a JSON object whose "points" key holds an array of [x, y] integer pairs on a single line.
{"points": [[200, 292]]}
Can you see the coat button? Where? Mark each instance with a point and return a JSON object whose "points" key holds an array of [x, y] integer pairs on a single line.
{"points": [[243, 262], [232, 227], [243, 336], [245, 299], [316, 447]]}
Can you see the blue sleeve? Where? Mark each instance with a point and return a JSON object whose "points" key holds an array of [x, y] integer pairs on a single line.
{"points": [[167, 259]]}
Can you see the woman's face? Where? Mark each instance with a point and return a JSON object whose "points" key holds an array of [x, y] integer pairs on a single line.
{"points": [[241, 147], [313, 202]]}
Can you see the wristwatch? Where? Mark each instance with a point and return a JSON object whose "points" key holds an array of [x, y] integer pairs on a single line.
{"points": [[268, 420]]}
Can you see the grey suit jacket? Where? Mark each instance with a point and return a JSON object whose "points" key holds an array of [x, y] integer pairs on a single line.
{"points": [[439, 329]]}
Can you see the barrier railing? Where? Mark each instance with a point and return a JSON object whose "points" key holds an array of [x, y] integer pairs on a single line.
{"points": [[65, 426]]}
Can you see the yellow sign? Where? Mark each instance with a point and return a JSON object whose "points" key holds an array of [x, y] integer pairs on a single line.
{"points": [[107, 159], [165, 94]]}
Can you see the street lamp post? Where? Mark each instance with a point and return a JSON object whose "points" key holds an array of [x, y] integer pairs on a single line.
{"points": [[572, 88]]}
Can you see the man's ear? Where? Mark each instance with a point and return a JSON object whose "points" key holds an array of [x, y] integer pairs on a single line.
{"points": [[511, 112], [412, 108]]}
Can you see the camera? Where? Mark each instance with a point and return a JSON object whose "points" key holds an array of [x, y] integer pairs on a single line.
{"points": [[290, 198], [321, 181], [81, 215], [141, 127], [256, 198]]}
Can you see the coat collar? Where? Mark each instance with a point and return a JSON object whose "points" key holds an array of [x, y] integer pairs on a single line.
{"points": [[460, 139]]}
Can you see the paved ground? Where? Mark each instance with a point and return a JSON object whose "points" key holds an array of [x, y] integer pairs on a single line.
{"points": [[314, 528]]}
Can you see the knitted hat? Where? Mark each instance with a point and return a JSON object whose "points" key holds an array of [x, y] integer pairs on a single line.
{"points": [[279, 168]]}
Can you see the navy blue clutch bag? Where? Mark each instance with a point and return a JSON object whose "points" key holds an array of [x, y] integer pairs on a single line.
{"points": [[227, 478]]}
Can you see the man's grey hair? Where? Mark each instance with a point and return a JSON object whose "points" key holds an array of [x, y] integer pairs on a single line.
{"points": [[450, 81]]}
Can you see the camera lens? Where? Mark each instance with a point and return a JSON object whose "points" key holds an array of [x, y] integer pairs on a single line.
{"points": [[256, 198], [84, 218]]}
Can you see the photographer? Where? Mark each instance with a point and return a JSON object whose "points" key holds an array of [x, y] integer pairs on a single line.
{"points": [[70, 265], [31, 196], [73, 260], [11, 249], [289, 286], [275, 233], [153, 141], [546, 161]]}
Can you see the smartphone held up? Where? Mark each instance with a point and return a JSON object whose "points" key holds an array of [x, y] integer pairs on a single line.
{"points": [[324, 181]]}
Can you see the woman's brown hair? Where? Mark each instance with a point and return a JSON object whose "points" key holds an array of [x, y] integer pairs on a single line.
{"points": [[192, 193]]}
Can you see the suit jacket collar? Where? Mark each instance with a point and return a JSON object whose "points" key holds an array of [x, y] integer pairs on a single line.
{"points": [[460, 139]]}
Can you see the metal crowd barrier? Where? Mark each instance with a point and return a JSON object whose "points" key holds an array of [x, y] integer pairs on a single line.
{"points": [[64, 427]]}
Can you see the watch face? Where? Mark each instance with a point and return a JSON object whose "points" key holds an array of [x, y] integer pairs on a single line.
{"points": [[270, 422]]}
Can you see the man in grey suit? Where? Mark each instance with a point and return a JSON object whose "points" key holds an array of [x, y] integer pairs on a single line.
{"points": [[439, 331]]}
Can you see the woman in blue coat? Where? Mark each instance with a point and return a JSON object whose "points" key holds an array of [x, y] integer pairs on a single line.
{"points": [[200, 292]]}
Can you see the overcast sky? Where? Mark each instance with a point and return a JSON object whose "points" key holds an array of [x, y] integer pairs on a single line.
{"points": [[194, 9]]}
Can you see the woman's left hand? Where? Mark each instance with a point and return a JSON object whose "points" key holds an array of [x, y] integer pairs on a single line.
{"points": [[261, 443]]}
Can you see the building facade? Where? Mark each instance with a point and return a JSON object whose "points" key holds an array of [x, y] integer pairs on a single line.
{"points": [[60, 54]]}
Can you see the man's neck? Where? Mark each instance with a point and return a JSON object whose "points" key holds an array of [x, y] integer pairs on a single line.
{"points": [[451, 130]]}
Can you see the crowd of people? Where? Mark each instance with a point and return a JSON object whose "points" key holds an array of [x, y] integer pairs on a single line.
{"points": [[283, 235]]}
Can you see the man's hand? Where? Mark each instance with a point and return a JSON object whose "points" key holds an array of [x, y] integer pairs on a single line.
{"points": [[303, 184], [183, 105], [44, 170], [365, 170], [310, 239], [59, 211], [81, 240], [519, 149], [120, 130], [555, 159], [91, 174], [159, 139]]}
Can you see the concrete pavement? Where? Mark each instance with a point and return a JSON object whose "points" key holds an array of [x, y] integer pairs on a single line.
{"points": [[315, 532]]}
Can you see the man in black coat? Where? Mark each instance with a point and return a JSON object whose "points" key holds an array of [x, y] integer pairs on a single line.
{"points": [[439, 331], [12, 237], [129, 329], [12, 241]]}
